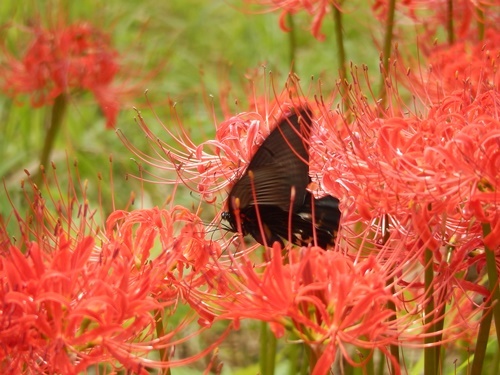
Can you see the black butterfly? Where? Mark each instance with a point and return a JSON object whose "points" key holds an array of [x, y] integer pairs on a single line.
{"points": [[280, 165]]}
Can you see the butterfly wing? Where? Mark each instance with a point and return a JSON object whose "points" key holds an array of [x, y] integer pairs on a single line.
{"points": [[262, 197], [325, 223], [280, 163], [276, 223]]}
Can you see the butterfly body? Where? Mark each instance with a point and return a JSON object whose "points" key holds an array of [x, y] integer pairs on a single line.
{"points": [[271, 201]]}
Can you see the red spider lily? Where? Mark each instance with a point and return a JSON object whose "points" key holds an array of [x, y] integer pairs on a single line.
{"points": [[325, 298], [414, 183], [407, 184], [63, 60], [318, 9], [464, 66], [433, 15], [213, 165], [426, 173], [75, 296]]}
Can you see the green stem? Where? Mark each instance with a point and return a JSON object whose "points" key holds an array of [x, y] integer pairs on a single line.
{"points": [[387, 49], [267, 350], [480, 23], [430, 365], [449, 23], [160, 332], [494, 364], [292, 41], [305, 368], [438, 327], [381, 366], [56, 120], [341, 56], [492, 281], [394, 348], [369, 368], [482, 340], [293, 356]]}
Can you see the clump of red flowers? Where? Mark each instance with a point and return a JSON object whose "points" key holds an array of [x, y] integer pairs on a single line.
{"points": [[76, 294], [466, 66], [317, 9], [416, 191], [460, 18], [62, 60]]}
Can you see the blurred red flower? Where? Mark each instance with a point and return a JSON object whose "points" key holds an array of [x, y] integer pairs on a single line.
{"points": [[434, 15], [464, 66], [318, 9], [63, 60], [211, 166]]}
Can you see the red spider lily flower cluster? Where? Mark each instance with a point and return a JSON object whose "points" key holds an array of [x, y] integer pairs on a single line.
{"points": [[63, 60], [407, 183], [210, 167], [318, 9], [410, 183], [433, 15], [466, 67], [77, 295], [325, 298]]}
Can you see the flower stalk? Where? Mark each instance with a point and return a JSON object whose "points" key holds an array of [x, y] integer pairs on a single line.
{"points": [[492, 270], [292, 41], [58, 110], [268, 345], [341, 54]]}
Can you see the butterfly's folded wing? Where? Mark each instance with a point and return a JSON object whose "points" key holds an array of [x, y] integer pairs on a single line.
{"points": [[301, 227], [324, 223], [262, 199], [280, 163]]}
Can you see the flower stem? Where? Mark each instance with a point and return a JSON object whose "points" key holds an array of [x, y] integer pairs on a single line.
{"points": [[480, 23], [292, 42], [369, 368], [430, 357], [492, 281], [482, 340], [449, 23], [293, 355], [386, 52], [267, 350], [56, 120], [438, 328], [160, 332], [341, 56], [394, 348]]}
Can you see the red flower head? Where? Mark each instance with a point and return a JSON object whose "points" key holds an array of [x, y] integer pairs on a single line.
{"points": [[325, 298], [464, 66], [211, 166], [318, 9], [417, 184], [63, 60], [426, 172], [74, 295], [434, 15]]}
